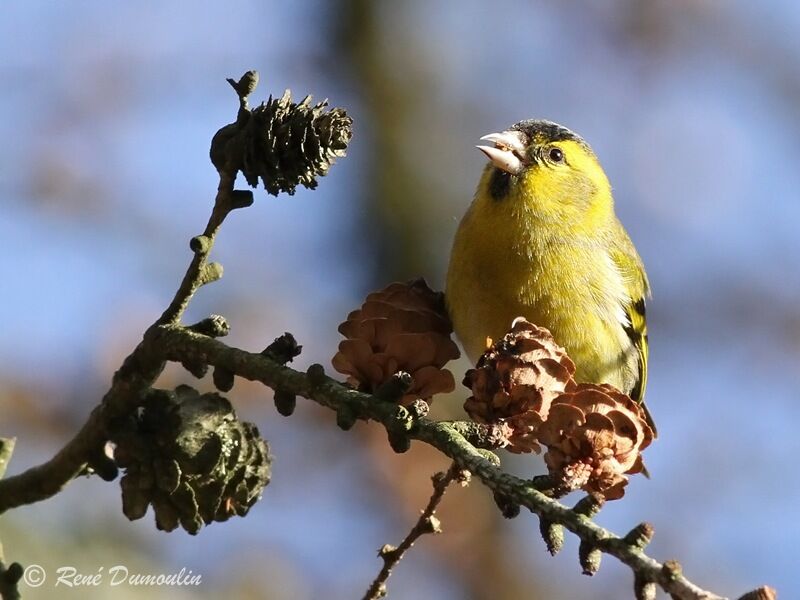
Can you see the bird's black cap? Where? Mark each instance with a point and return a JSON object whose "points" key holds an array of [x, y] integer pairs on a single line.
{"points": [[542, 132]]}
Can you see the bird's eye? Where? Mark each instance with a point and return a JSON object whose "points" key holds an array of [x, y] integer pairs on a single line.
{"points": [[556, 155]]}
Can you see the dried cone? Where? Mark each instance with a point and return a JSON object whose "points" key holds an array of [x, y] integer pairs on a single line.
{"points": [[516, 380], [403, 327], [281, 143], [594, 436], [189, 457], [290, 144]]}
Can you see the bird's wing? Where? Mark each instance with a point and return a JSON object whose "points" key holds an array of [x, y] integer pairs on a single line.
{"points": [[630, 266]]}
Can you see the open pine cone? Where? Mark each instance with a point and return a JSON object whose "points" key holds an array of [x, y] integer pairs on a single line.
{"points": [[594, 436], [516, 380], [403, 327]]}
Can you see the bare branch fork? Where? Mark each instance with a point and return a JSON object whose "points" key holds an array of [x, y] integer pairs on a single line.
{"points": [[467, 444], [427, 523]]}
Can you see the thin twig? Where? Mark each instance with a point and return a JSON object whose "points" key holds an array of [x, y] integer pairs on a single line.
{"points": [[9, 577], [6, 450], [426, 523], [193, 277]]}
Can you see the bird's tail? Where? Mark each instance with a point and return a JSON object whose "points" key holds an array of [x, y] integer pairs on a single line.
{"points": [[649, 418]]}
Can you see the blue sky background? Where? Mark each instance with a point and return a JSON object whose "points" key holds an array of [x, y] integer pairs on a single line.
{"points": [[106, 114]]}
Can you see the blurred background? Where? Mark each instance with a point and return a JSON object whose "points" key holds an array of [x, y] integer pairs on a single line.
{"points": [[107, 112]]}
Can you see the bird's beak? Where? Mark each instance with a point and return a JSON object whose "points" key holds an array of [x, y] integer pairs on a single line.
{"points": [[507, 152]]}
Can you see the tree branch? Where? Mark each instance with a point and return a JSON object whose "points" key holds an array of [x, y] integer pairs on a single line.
{"points": [[246, 146], [426, 523], [201, 245], [179, 344], [137, 374]]}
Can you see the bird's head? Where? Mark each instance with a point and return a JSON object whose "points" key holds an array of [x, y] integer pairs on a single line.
{"points": [[548, 170]]}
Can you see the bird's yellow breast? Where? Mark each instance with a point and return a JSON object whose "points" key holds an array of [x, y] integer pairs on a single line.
{"points": [[509, 260]]}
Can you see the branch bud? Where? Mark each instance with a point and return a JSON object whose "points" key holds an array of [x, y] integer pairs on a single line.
{"points": [[196, 368], [316, 374], [345, 418], [589, 557], [200, 244], [399, 440], [223, 379], [283, 349], [643, 589], [508, 508], [762, 593], [101, 463], [213, 326], [640, 536], [240, 199], [672, 569], [210, 273], [285, 402], [246, 85], [589, 505], [553, 535], [432, 525], [394, 388]]}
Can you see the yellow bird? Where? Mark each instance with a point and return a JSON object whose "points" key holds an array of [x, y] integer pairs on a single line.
{"points": [[541, 241]]}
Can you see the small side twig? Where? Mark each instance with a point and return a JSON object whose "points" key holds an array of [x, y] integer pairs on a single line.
{"points": [[6, 450], [198, 272], [9, 577], [427, 523]]}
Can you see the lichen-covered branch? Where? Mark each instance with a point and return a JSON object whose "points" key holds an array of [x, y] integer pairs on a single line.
{"points": [[137, 373], [197, 274], [316, 139], [180, 344]]}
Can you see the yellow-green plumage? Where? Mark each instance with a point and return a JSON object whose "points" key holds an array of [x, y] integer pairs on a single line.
{"points": [[543, 242]]}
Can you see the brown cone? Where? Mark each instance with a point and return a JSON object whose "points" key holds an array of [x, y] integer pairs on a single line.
{"points": [[403, 327], [594, 436], [516, 380]]}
